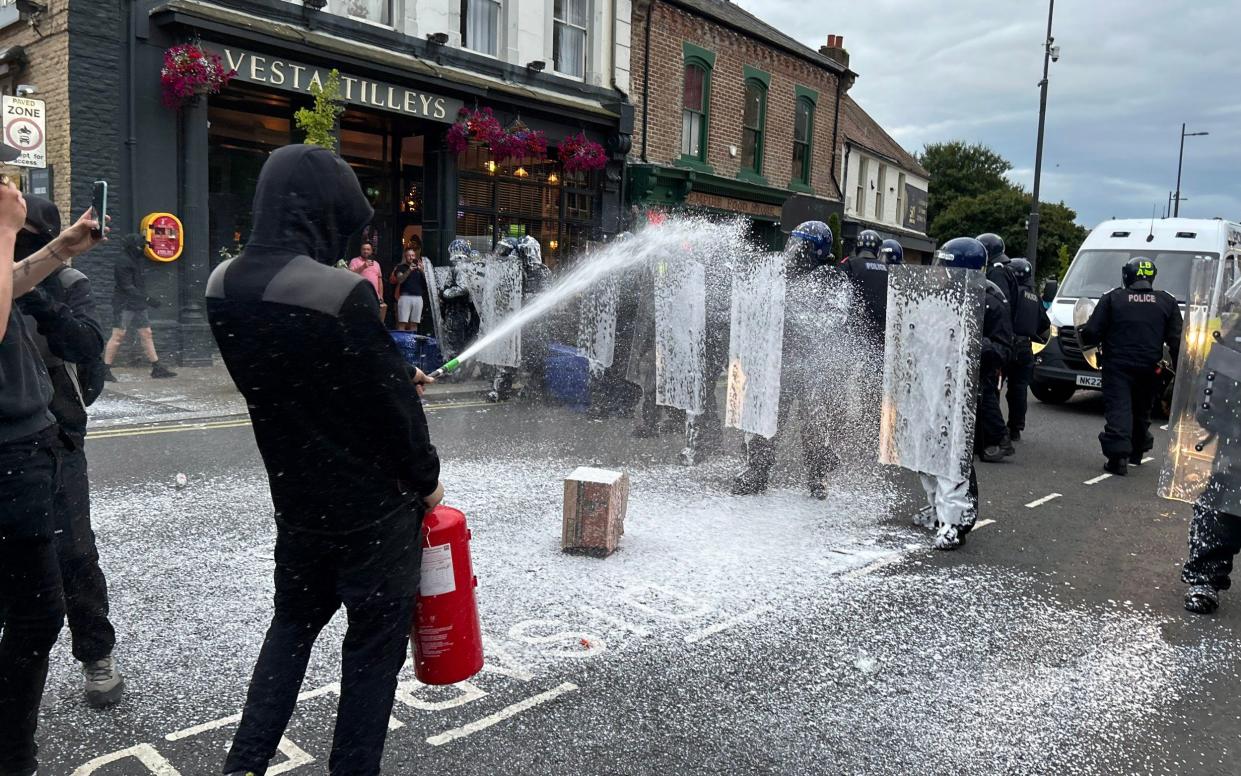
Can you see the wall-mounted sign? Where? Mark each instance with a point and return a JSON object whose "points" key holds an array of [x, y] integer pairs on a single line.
{"points": [[165, 238], [25, 128], [914, 216], [287, 75]]}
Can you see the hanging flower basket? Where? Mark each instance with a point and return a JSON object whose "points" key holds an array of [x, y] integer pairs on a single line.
{"points": [[581, 154], [481, 126], [520, 142], [189, 71]]}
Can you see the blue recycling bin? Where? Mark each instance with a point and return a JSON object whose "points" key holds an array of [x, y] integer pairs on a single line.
{"points": [[418, 350], [566, 376]]}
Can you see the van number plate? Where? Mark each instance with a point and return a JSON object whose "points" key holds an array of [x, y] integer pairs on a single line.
{"points": [[1089, 381]]}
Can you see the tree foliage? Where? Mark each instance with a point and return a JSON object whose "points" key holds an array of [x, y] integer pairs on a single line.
{"points": [[319, 122], [960, 170]]}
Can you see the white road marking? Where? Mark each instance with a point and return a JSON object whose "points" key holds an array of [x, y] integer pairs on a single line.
{"points": [[1040, 502], [1098, 479], [449, 736], [983, 524], [297, 757], [1148, 459], [726, 624], [886, 560], [146, 754], [190, 732], [618, 622], [1163, 427]]}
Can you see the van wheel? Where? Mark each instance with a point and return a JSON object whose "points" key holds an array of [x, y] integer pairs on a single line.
{"points": [[1052, 393]]}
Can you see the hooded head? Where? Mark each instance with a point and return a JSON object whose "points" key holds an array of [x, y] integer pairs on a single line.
{"points": [[308, 201], [42, 226], [531, 252]]}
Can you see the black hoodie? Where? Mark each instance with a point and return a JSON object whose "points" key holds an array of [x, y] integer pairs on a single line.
{"points": [[336, 417]]}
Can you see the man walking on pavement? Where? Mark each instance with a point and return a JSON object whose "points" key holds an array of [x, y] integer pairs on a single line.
{"points": [[60, 313], [339, 424], [130, 304], [1030, 322], [1131, 326]]}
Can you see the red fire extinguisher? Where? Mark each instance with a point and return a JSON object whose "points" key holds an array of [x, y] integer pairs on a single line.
{"points": [[448, 641]]}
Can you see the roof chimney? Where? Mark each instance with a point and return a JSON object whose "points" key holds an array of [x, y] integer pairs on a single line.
{"points": [[835, 49]]}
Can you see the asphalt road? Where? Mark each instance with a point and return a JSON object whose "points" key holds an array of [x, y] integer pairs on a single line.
{"points": [[765, 635]]}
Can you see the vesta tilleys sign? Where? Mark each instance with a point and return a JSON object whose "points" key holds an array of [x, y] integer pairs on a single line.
{"points": [[292, 76]]}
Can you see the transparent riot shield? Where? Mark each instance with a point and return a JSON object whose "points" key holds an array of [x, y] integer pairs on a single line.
{"points": [[755, 346], [1081, 316], [930, 369], [433, 300], [680, 334], [1205, 426], [500, 299], [596, 323]]}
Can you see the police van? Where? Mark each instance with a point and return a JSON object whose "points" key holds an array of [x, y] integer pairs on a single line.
{"points": [[1060, 368]]}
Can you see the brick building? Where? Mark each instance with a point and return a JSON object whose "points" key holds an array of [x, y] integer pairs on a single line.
{"points": [[733, 116]]}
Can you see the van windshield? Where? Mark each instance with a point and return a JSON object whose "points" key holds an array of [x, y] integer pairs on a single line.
{"points": [[1094, 273]]}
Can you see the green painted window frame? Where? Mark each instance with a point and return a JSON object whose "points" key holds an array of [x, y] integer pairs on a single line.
{"points": [[696, 56], [762, 81], [801, 180]]}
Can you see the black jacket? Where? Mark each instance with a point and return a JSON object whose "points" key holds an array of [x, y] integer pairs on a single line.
{"points": [[1030, 319], [869, 276], [997, 329], [129, 291], [1008, 284], [1132, 325], [61, 313], [336, 416]]}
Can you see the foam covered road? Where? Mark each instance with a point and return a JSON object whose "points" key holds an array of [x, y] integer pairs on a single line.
{"points": [[740, 636]]}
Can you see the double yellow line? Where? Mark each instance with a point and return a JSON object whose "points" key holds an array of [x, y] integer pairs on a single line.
{"points": [[238, 422]]}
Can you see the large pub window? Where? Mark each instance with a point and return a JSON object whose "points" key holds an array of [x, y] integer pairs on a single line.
{"points": [[525, 197]]}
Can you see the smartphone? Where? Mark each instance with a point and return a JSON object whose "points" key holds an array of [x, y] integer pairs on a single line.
{"points": [[99, 206]]}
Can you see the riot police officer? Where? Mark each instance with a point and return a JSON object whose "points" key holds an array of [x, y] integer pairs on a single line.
{"points": [[892, 252], [1030, 322], [869, 276], [1000, 273], [1131, 325]]}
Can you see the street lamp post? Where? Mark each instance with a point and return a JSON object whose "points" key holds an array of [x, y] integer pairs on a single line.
{"points": [[1180, 161], [1050, 52]]}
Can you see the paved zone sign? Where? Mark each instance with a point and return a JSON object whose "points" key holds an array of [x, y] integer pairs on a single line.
{"points": [[25, 129]]}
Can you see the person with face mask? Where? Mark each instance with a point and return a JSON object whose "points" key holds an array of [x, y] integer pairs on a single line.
{"points": [[339, 424], [60, 312]]}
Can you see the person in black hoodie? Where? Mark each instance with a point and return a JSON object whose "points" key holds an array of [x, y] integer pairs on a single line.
{"points": [[130, 303], [60, 311], [341, 430]]}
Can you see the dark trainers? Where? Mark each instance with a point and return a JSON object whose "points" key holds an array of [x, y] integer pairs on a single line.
{"points": [[1116, 466], [1136, 459], [992, 454], [107, 374], [1007, 448], [161, 372], [1202, 599], [1014, 435], [104, 684]]}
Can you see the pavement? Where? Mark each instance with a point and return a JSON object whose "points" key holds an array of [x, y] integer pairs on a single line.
{"points": [[762, 635]]}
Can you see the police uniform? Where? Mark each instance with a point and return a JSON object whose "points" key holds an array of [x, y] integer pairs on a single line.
{"points": [[869, 276], [1029, 321], [1131, 326], [997, 343]]}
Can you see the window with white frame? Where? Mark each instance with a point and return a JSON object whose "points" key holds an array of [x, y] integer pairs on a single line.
{"points": [[569, 37], [480, 26], [900, 199], [375, 11], [880, 185], [859, 198]]}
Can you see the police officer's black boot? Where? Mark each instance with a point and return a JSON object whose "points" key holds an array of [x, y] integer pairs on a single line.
{"points": [[1117, 466], [1006, 444], [750, 482], [1201, 599]]}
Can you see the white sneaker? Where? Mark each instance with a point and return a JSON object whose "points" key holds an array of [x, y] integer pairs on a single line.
{"points": [[949, 537], [925, 518], [104, 684]]}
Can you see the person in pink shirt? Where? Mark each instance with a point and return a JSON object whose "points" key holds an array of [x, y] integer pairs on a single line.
{"points": [[366, 266]]}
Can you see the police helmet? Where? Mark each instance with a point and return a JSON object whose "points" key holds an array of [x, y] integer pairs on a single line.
{"points": [[506, 247], [1022, 270], [1138, 268], [458, 249], [892, 252], [962, 252], [869, 241], [810, 243], [530, 250], [994, 245]]}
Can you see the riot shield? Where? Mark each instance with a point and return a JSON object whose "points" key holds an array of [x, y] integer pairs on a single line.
{"points": [[755, 346], [1203, 430], [500, 299], [930, 369], [433, 299], [596, 323], [1081, 316], [680, 334]]}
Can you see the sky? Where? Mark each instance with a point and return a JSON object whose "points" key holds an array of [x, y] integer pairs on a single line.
{"points": [[1130, 72]]}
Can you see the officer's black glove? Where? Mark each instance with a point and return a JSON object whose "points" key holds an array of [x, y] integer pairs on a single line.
{"points": [[154, 303], [38, 305]]}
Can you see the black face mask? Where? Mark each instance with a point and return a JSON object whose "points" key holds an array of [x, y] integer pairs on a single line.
{"points": [[27, 243]]}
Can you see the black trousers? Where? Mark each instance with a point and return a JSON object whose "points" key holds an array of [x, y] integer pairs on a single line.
{"points": [[374, 573], [86, 589], [990, 418], [31, 607], [1214, 540], [760, 452], [1128, 394], [1019, 372]]}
